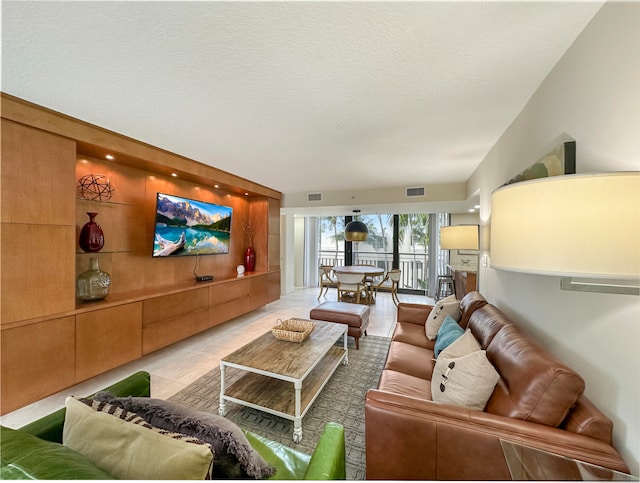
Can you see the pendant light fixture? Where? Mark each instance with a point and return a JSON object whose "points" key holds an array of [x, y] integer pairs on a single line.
{"points": [[355, 230]]}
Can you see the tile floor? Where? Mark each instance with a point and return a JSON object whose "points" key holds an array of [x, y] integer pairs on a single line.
{"points": [[173, 368]]}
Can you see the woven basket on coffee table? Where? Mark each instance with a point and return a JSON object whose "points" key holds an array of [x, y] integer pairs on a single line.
{"points": [[293, 330]]}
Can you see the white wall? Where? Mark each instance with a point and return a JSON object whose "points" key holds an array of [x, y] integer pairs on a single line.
{"points": [[298, 270], [593, 96], [287, 251]]}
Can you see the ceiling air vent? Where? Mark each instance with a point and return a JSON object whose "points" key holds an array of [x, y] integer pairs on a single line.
{"points": [[411, 192], [314, 196]]}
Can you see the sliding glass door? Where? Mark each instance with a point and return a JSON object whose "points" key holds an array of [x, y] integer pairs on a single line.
{"points": [[401, 241]]}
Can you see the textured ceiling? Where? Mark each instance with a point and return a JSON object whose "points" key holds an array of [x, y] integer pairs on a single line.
{"points": [[297, 96]]}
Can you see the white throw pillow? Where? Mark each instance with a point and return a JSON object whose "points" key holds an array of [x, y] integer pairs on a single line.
{"points": [[466, 381], [131, 451], [438, 314], [463, 345], [449, 299]]}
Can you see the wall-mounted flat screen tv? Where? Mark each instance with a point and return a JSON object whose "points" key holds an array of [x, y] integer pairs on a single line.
{"points": [[188, 227]]}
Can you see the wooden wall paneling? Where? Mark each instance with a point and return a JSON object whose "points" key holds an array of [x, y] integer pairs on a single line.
{"points": [[274, 234], [37, 360], [274, 252], [38, 185], [274, 286], [38, 271], [107, 338], [259, 291], [105, 261], [95, 140], [127, 272], [38, 212], [119, 223], [239, 240], [259, 216], [128, 182]]}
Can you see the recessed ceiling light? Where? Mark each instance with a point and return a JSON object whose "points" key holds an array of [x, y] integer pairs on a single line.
{"points": [[471, 210], [477, 207], [175, 175], [110, 157], [216, 186], [246, 194]]}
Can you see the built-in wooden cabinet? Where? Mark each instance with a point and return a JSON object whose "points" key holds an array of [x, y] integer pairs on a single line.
{"points": [[51, 340], [174, 317], [37, 360], [107, 338]]}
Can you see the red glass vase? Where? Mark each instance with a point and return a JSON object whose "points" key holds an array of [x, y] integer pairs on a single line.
{"points": [[249, 260], [91, 236]]}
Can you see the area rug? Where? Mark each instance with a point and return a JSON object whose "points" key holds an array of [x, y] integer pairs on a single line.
{"points": [[341, 400]]}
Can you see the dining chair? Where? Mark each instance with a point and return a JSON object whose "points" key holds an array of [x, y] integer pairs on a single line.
{"points": [[352, 284], [390, 283], [325, 273], [369, 281]]}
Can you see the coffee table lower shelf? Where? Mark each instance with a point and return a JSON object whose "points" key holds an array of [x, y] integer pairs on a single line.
{"points": [[289, 399]]}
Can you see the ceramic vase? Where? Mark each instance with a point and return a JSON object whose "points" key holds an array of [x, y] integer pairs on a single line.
{"points": [[94, 283], [249, 259], [91, 235]]}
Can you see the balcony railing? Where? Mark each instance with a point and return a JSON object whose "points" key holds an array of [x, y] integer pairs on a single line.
{"points": [[414, 266]]}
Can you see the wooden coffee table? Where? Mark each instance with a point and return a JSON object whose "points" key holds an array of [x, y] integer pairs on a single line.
{"points": [[284, 378]]}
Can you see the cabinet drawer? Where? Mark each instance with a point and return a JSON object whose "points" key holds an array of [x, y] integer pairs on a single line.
{"points": [[162, 308], [226, 292], [168, 331]]}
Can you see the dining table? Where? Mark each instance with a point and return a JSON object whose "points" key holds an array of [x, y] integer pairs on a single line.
{"points": [[368, 271]]}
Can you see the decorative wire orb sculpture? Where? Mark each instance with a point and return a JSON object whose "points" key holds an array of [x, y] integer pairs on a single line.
{"points": [[95, 187]]}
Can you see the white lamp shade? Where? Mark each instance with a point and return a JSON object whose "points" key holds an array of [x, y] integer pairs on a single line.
{"points": [[459, 237], [572, 226]]}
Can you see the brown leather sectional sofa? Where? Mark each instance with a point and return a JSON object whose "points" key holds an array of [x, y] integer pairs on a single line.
{"points": [[538, 402]]}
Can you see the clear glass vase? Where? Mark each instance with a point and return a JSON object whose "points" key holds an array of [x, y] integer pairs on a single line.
{"points": [[94, 283]]}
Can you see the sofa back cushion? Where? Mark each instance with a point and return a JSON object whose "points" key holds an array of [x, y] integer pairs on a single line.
{"points": [[485, 322], [414, 313], [469, 303], [534, 386]]}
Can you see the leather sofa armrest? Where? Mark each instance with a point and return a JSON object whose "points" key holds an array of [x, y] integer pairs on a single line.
{"points": [[413, 313], [415, 439]]}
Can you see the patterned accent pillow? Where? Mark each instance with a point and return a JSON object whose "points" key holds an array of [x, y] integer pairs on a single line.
{"points": [[127, 447], [440, 312], [466, 381]]}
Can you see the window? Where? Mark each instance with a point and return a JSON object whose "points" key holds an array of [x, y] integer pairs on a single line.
{"points": [[409, 250], [331, 249]]}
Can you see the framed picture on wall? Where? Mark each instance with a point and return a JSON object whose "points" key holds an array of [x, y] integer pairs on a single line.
{"points": [[562, 160]]}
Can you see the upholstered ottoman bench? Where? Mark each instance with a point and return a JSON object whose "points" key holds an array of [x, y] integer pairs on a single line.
{"points": [[356, 316]]}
